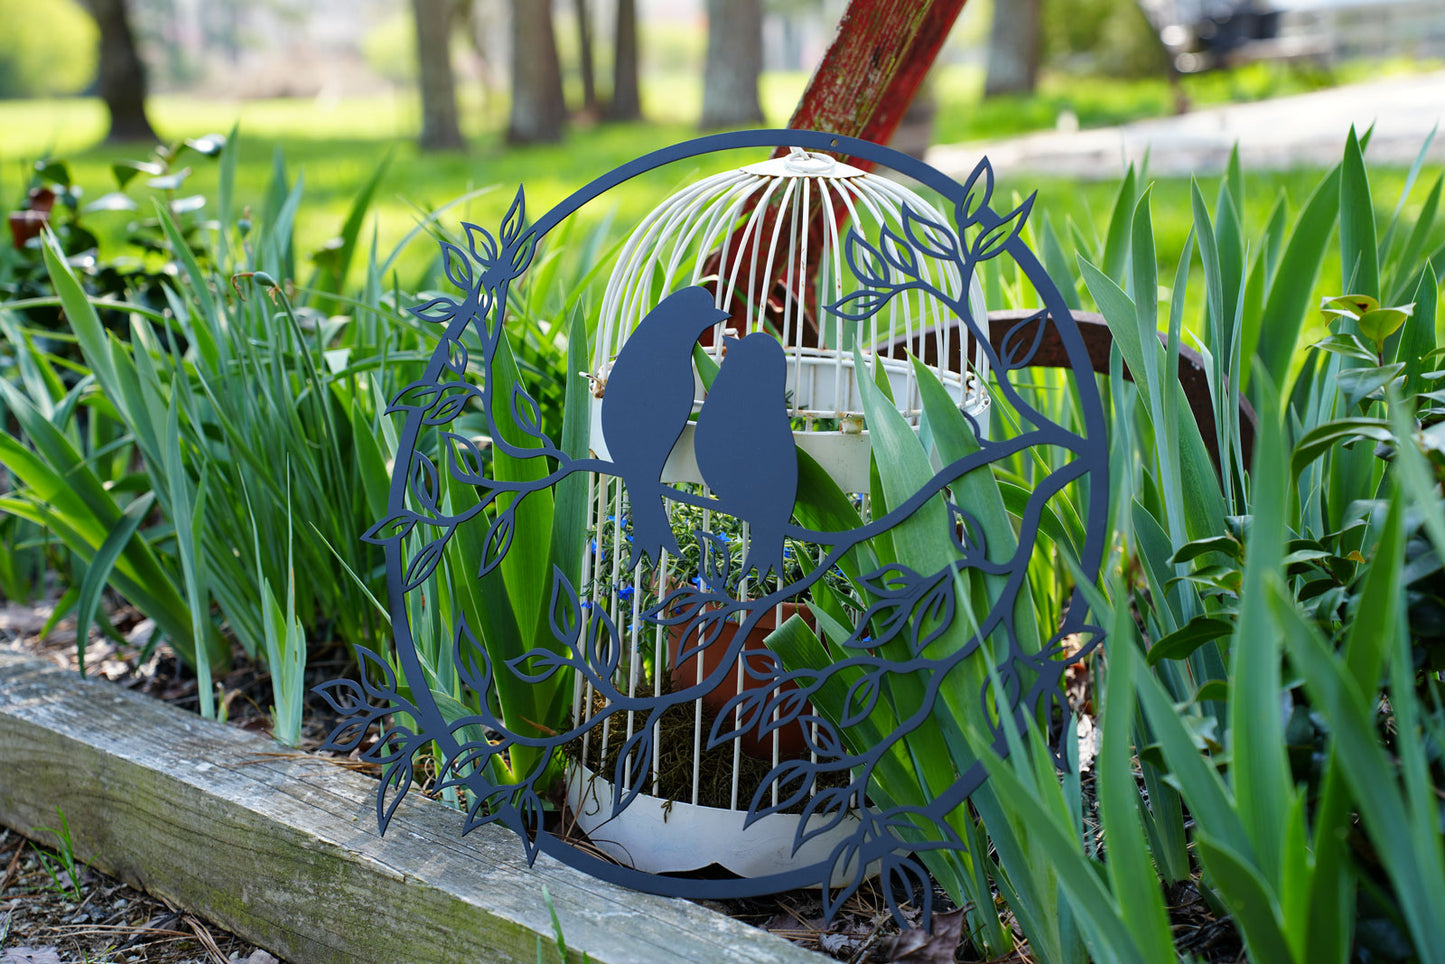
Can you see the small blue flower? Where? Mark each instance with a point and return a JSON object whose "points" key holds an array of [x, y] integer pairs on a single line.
{"points": [[625, 592]]}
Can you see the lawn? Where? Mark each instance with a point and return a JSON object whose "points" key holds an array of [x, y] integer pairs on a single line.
{"points": [[336, 145]]}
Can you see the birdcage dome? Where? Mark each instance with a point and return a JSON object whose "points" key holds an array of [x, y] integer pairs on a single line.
{"points": [[768, 240]]}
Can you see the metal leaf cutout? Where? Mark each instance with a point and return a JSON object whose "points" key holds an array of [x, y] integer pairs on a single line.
{"points": [[456, 266], [824, 811], [425, 486], [465, 460], [536, 665], [861, 698], [792, 781], [931, 239], [1022, 341], [391, 529], [457, 357], [977, 193], [416, 397], [498, 540], [481, 243], [438, 311], [866, 262], [994, 239], [898, 253], [425, 562], [704, 631], [470, 658], [512, 222], [932, 617], [395, 782], [861, 304], [564, 614]]}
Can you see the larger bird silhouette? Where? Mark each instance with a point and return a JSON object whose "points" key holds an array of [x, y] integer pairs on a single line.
{"points": [[646, 404], [745, 446]]}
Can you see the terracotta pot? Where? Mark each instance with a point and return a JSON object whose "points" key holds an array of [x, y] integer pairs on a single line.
{"points": [[25, 225], [791, 738]]}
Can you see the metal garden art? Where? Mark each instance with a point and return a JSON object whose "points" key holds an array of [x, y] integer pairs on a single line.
{"points": [[763, 570]]}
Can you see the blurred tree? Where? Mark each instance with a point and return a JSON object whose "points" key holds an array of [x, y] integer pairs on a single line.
{"points": [[539, 112], [1015, 47], [122, 80], [626, 102], [590, 106], [439, 130], [482, 23], [734, 62]]}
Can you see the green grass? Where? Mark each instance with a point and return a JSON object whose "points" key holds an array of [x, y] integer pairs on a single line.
{"points": [[336, 145], [335, 155]]}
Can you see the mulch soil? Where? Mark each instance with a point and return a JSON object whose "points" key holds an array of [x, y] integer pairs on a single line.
{"points": [[50, 916]]}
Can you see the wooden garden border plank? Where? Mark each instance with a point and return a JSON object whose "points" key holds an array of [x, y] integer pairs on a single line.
{"points": [[284, 851]]}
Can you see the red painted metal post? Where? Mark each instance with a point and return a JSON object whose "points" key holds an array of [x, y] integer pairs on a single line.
{"points": [[875, 65], [861, 88]]}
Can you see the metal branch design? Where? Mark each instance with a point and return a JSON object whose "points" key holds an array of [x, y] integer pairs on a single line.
{"points": [[907, 612]]}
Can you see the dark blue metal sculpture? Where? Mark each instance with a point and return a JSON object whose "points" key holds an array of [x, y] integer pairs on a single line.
{"points": [[745, 453], [745, 445], [646, 407]]}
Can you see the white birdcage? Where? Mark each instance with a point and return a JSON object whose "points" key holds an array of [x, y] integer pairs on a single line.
{"points": [[767, 240]]}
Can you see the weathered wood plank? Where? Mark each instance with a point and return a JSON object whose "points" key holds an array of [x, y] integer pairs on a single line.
{"points": [[285, 853]]}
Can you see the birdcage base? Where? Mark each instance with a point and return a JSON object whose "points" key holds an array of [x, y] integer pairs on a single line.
{"points": [[667, 836]]}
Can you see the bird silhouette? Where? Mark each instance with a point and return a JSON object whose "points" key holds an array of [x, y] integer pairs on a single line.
{"points": [[646, 404], [745, 447]]}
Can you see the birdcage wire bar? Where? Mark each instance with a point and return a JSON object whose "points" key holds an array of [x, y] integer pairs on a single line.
{"points": [[741, 233]]}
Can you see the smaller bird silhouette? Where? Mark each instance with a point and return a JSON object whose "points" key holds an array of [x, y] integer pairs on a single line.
{"points": [[645, 406], [745, 446]]}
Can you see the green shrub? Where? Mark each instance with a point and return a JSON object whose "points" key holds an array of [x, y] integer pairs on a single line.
{"points": [[46, 49], [390, 48], [1113, 35]]}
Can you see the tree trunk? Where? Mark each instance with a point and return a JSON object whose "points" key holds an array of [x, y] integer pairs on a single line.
{"points": [[734, 62], [1014, 47], [539, 113], [122, 79], [584, 55], [439, 129], [626, 101]]}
